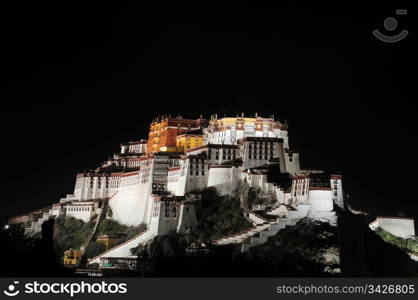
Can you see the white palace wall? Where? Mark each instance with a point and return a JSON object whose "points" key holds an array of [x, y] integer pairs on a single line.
{"points": [[129, 205], [320, 200], [224, 178]]}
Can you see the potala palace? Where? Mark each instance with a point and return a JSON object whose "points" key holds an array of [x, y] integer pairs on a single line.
{"points": [[157, 181]]}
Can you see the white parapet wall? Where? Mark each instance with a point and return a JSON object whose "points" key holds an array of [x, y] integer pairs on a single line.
{"points": [[83, 210], [321, 206], [398, 226], [320, 200]]}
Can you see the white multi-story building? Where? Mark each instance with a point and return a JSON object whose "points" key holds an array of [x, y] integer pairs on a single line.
{"points": [[171, 214], [94, 185], [258, 151], [137, 147], [83, 210], [319, 190], [236, 150], [216, 153], [159, 188], [229, 130]]}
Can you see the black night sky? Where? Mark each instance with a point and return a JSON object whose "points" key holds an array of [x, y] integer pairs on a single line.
{"points": [[81, 79]]}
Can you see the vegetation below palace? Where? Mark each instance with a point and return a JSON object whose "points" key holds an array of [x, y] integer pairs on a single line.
{"points": [[408, 245], [112, 227], [310, 248], [218, 216], [307, 249], [70, 232]]}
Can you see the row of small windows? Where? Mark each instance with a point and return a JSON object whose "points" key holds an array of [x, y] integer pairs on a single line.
{"points": [[174, 162], [197, 160], [170, 211], [229, 151], [303, 193], [79, 208], [225, 157], [260, 145], [197, 166], [158, 186], [113, 182], [170, 208], [250, 156], [192, 172], [260, 151], [300, 193]]}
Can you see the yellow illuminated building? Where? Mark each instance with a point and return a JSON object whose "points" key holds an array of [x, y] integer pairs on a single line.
{"points": [[72, 257], [107, 240], [162, 134], [188, 141], [168, 149]]}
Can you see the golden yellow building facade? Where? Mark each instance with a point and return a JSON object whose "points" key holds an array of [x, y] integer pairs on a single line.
{"points": [[188, 141], [72, 257], [107, 240], [163, 133]]}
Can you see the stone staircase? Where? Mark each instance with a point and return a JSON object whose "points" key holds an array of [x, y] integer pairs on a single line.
{"points": [[263, 228], [259, 224], [99, 219], [240, 237], [124, 249], [36, 226], [293, 216], [271, 230]]}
